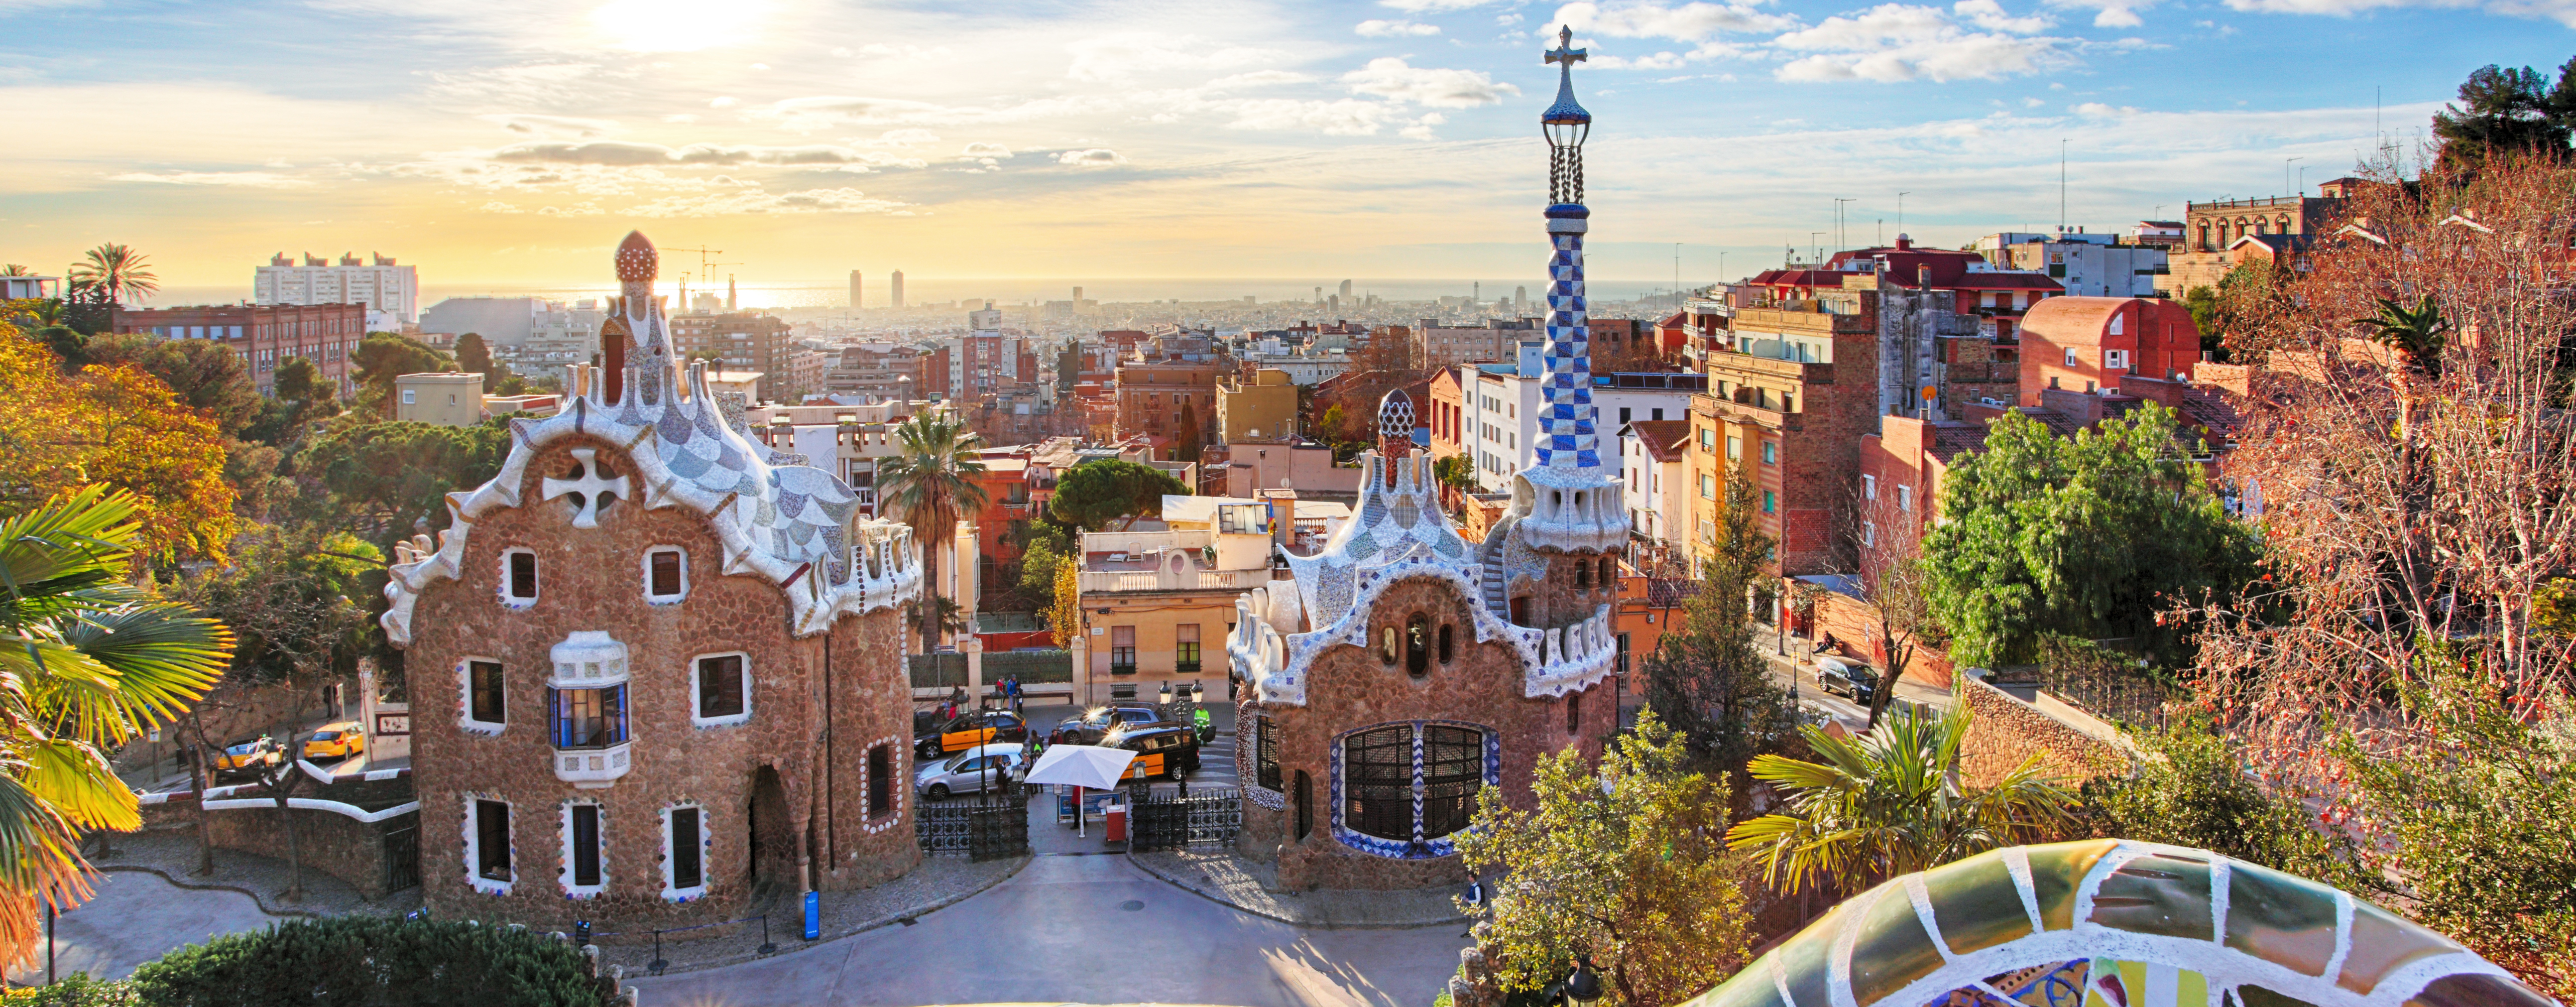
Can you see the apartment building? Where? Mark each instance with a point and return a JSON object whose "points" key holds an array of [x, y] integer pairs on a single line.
{"points": [[1264, 406], [1654, 466], [1996, 297], [264, 335], [443, 398], [1152, 397], [1157, 606], [1496, 341], [737, 341], [391, 292], [881, 371], [1500, 416]]}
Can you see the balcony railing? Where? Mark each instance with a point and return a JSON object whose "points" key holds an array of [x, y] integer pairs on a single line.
{"points": [[1112, 581], [593, 768]]}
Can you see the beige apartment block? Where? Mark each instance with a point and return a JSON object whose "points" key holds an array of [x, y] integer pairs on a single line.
{"points": [[446, 398], [1267, 404]]}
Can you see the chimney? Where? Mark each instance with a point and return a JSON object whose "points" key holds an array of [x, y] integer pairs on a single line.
{"points": [[1904, 242], [1923, 276]]}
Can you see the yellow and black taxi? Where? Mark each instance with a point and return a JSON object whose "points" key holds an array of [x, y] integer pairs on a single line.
{"points": [[968, 730], [336, 741], [247, 757], [1167, 750]]}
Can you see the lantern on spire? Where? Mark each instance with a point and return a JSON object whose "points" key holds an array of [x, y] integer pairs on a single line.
{"points": [[1565, 125]]}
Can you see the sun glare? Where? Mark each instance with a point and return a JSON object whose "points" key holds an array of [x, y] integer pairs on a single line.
{"points": [[673, 25]]}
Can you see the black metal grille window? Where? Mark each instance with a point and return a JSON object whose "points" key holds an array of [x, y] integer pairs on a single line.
{"points": [[1453, 770], [492, 840], [523, 576], [585, 844], [1266, 753], [1377, 782]]}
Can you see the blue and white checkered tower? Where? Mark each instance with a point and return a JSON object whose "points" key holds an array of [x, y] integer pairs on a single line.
{"points": [[1568, 438]]}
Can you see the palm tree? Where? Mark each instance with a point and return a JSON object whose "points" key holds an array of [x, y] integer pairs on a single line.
{"points": [[2416, 332], [1889, 803], [115, 272], [87, 662], [930, 482], [14, 269]]}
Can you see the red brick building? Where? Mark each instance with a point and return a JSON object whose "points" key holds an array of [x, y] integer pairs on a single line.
{"points": [[2088, 344], [1446, 414], [618, 662], [1152, 396], [738, 341], [264, 335], [1402, 671], [1998, 297]]}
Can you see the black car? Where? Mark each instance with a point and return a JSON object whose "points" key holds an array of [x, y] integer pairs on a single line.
{"points": [[967, 731], [1097, 722], [1834, 674], [1170, 751]]}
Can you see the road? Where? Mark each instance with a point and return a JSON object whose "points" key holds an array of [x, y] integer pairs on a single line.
{"points": [[1088, 929], [1839, 709], [136, 917]]}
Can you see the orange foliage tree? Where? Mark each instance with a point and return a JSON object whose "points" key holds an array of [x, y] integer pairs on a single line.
{"points": [[119, 427]]}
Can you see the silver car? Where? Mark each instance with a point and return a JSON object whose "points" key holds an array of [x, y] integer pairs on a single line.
{"points": [[970, 771]]}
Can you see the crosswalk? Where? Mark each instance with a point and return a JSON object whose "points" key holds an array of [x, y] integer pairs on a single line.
{"points": [[1216, 762]]}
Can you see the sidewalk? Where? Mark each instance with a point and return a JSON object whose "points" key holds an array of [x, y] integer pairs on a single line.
{"points": [[938, 883], [1222, 876], [172, 854]]}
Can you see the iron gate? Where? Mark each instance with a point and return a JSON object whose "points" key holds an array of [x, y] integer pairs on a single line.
{"points": [[402, 852], [985, 828], [1204, 818]]}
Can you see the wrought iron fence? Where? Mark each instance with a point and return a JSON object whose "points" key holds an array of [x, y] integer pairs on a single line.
{"points": [[1202, 818], [938, 670], [981, 827], [1031, 667]]}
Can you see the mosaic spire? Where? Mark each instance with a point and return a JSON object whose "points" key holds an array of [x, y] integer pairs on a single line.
{"points": [[1567, 438]]}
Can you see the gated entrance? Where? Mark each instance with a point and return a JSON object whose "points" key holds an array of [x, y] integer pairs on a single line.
{"points": [[402, 852], [1171, 821], [984, 827]]}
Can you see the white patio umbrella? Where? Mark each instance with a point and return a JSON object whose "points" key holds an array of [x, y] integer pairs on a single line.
{"points": [[1081, 767]]}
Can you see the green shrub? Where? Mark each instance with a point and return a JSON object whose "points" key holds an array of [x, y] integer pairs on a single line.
{"points": [[371, 961]]}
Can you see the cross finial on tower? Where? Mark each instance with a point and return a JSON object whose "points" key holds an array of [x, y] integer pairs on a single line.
{"points": [[1565, 52]]}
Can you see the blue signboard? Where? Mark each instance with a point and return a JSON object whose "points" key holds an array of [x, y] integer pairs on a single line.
{"points": [[813, 916]]}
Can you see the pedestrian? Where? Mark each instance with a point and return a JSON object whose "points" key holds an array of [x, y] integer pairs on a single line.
{"points": [[1012, 684]]}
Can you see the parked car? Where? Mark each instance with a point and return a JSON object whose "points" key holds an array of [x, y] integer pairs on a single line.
{"points": [[1170, 751], [970, 772], [248, 757], [1097, 723], [336, 741], [1850, 678], [969, 730]]}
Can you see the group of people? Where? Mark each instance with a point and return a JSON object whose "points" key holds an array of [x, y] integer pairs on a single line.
{"points": [[1006, 694]]}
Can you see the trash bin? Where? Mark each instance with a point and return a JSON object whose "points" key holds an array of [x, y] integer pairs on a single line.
{"points": [[1116, 820]]}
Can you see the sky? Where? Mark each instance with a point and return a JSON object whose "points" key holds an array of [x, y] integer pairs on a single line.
{"points": [[509, 144]]}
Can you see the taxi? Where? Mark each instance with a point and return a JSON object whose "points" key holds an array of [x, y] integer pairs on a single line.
{"points": [[336, 741], [1170, 751], [969, 730]]}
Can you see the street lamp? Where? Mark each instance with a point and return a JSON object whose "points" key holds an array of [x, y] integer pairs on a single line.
{"points": [[1582, 988]]}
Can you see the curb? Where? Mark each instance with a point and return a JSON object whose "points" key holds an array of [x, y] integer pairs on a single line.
{"points": [[874, 924], [1219, 897], [205, 886]]}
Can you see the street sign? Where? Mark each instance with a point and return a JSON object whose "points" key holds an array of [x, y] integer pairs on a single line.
{"points": [[813, 916]]}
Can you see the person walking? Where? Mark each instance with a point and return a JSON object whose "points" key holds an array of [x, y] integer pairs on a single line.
{"points": [[1011, 687]]}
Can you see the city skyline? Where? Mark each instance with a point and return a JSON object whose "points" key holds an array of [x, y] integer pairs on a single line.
{"points": [[1149, 140]]}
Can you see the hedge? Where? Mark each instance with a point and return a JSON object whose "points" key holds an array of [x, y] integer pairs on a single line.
{"points": [[372, 962]]}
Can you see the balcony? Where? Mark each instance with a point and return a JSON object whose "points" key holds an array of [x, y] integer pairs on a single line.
{"points": [[593, 768], [1192, 579]]}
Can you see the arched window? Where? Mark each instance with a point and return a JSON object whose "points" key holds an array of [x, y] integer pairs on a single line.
{"points": [[1609, 572], [1398, 803], [1582, 574], [1445, 651], [1417, 645]]}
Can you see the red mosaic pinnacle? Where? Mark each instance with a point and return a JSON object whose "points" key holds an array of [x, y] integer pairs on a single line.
{"points": [[637, 262]]}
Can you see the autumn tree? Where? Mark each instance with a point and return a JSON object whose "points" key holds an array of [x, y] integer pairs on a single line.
{"points": [[120, 427], [1622, 863], [203, 373], [1890, 584]]}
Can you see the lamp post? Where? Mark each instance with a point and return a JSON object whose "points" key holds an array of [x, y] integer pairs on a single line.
{"points": [[1582, 987]]}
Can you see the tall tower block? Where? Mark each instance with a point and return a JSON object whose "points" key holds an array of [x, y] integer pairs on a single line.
{"points": [[855, 301], [897, 294]]}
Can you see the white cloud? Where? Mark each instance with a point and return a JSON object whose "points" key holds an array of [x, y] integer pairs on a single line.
{"points": [[1096, 157], [1390, 77], [1376, 28], [614, 153], [724, 103], [825, 111], [2110, 13], [500, 207], [1346, 117], [2561, 11], [905, 137], [1257, 78], [755, 201], [1421, 128], [986, 150], [680, 118], [1989, 15], [1688, 22], [553, 125], [1900, 42], [1431, 6], [2097, 110], [1659, 61], [243, 179], [1118, 57]]}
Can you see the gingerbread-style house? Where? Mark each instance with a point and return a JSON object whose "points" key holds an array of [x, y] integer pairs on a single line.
{"points": [[655, 666], [1403, 671]]}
